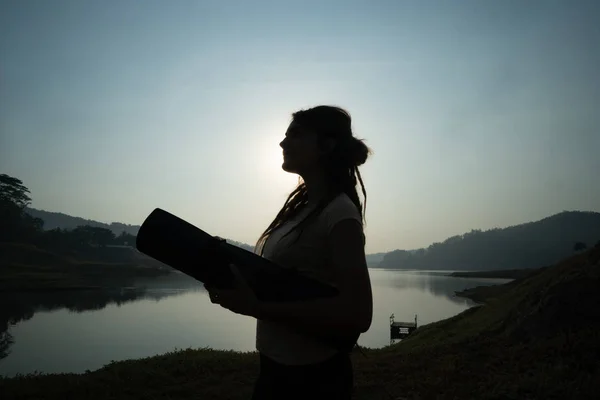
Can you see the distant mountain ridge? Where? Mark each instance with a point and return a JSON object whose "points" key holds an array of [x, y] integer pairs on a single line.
{"points": [[529, 245], [374, 259], [53, 220]]}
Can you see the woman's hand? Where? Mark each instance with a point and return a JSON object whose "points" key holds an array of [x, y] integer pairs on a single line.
{"points": [[240, 299]]}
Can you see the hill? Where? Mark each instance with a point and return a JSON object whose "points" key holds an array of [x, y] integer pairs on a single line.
{"points": [[53, 220], [533, 338], [374, 259], [529, 245]]}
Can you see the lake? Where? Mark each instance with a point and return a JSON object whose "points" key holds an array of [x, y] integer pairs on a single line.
{"points": [[75, 331]]}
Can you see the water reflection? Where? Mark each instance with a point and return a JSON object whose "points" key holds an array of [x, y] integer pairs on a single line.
{"points": [[438, 283], [6, 340], [16, 307], [158, 315]]}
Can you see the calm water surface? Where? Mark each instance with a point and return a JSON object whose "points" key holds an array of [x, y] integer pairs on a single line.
{"points": [[75, 331]]}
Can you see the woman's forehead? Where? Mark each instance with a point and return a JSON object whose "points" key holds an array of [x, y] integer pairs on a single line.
{"points": [[296, 128]]}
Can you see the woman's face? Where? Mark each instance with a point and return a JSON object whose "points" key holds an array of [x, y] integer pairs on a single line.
{"points": [[301, 150]]}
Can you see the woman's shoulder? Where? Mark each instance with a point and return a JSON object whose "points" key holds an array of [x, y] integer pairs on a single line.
{"points": [[342, 201], [340, 208]]}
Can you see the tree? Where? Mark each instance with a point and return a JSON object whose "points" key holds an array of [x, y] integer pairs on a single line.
{"points": [[31, 227], [17, 225], [579, 246], [86, 235], [6, 340], [103, 236], [125, 239], [13, 191]]}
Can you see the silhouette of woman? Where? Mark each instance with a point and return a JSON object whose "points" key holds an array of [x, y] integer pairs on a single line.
{"points": [[319, 232]]}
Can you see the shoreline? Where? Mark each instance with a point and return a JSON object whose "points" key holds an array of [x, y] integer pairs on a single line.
{"points": [[480, 353], [496, 274], [481, 274], [81, 276], [69, 288], [459, 357]]}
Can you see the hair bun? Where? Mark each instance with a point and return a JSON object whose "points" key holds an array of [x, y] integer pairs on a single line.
{"points": [[359, 152]]}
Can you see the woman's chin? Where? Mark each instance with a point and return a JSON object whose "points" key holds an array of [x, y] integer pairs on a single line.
{"points": [[288, 167]]}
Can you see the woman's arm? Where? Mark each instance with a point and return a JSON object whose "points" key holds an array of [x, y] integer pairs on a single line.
{"points": [[352, 310]]}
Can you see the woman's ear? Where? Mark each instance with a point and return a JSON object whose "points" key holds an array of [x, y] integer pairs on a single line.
{"points": [[328, 145]]}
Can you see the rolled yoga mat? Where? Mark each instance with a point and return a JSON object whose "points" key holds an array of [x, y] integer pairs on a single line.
{"points": [[187, 248]]}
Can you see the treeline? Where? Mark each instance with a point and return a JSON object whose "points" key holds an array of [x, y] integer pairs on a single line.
{"points": [[82, 237], [21, 227], [53, 220], [530, 245], [63, 233]]}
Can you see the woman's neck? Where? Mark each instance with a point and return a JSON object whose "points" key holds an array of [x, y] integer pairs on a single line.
{"points": [[317, 188]]}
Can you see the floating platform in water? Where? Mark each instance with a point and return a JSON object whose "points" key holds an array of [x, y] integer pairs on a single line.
{"points": [[400, 330]]}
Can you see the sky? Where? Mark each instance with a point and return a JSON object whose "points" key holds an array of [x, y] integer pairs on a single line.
{"points": [[480, 114]]}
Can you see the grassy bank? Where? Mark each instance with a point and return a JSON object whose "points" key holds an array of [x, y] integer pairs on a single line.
{"points": [[534, 338], [26, 267]]}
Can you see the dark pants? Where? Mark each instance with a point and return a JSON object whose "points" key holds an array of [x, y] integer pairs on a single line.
{"points": [[331, 379]]}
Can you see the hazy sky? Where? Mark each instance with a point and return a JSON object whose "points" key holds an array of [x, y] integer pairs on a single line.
{"points": [[481, 114]]}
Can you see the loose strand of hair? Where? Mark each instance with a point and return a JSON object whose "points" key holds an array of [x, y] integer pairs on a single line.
{"points": [[346, 184], [346, 180], [364, 192], [289, 209]]}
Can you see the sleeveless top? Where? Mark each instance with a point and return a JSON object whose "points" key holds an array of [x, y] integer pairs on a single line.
{"points": [[310, 254]]}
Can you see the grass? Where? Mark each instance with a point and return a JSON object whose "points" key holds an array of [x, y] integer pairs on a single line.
{"points": [[533, 338]]}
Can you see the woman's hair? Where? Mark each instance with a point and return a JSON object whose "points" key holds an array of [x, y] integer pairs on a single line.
{"points": [[340, 165]]}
